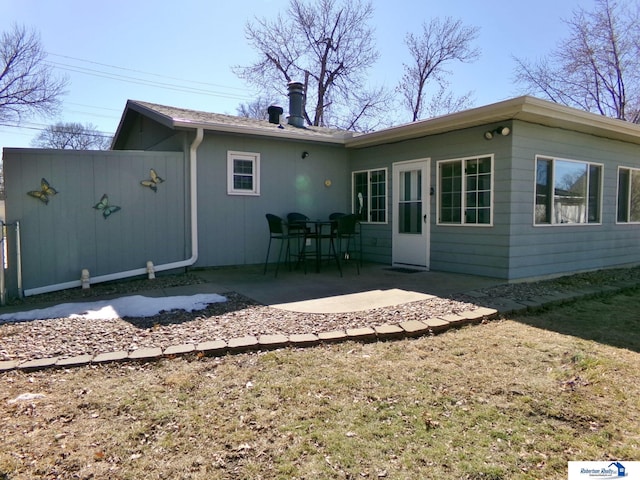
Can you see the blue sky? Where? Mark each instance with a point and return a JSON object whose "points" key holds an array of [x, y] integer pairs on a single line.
{"points": [[123, 49]]}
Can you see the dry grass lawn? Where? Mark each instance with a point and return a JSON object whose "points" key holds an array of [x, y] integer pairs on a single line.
{"points": [[510, 399]]}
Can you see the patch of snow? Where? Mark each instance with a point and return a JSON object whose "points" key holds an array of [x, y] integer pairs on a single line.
{"points": [[132, 306], [26, 397]]}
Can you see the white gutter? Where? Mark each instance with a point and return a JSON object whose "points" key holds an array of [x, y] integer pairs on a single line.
{"points": [[289, 133], [525, 108], [193, 182]]}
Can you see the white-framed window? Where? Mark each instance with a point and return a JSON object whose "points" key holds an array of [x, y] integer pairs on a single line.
{"points": [[243, 173], [568, 192], [369, 195], [465, 191], [628, 207]]}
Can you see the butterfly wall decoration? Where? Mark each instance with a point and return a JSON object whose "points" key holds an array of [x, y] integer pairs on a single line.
{"points": [[44, 193], [153, 182], [105, 208]]}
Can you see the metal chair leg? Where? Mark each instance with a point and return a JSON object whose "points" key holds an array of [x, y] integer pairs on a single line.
{"points": [[279, 256], [266, 260], [332, 246], [357, 260]]}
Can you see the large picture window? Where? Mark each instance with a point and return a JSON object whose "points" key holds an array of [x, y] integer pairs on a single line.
{"points": [[243, 173], [628, 195], [567, 192], [369, 195], [465, 191]]}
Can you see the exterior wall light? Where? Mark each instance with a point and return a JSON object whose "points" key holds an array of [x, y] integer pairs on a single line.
{"points": [[305, 154], [504, 131]]}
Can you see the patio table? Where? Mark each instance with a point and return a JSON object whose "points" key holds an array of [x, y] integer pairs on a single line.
{"points": [[318, 232]]}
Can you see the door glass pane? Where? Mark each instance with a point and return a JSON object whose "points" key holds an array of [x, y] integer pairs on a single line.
{"points": [[410, 203]]}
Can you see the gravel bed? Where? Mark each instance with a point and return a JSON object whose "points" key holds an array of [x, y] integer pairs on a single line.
{"points": [[237, 317]]}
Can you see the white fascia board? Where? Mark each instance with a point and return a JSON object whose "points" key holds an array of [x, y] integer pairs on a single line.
{"points": [[276, 133], [526, 108]]}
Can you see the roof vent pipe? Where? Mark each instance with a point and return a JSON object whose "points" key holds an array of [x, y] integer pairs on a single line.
{"points": [[296, 102], [274, 114]]}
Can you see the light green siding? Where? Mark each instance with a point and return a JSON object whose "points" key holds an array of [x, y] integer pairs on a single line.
{"points": [[66, 235], [61, 238], [233, 229], [481, 250], [545, 250]]}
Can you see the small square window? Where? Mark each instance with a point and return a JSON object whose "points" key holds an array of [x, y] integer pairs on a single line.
{"points": [[243, 173]]}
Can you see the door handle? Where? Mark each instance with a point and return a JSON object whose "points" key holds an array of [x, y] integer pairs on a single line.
{"points": [[424, 218]]}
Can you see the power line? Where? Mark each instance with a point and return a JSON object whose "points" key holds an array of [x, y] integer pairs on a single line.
{"points": [[42, 127], [137, 80], [94, 106], [111, 117], [141, 81], [24, 134], [145, 73]]}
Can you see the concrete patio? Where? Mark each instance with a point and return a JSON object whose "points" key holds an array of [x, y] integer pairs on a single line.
{"points": [[326, 292]]}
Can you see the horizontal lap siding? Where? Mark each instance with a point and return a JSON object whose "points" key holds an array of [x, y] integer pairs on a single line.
{"points": [[376, 237], [376, 243], [538, 251], [470, 249], [601, 250], [464, 249]]}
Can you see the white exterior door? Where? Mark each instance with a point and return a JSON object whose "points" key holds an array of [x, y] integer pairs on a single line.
{"points": [[411, 186]]}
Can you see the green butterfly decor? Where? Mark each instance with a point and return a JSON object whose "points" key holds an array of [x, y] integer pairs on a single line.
{"points": [[105, 208]]}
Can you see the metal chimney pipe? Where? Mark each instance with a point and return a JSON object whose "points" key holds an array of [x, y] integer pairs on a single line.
{"points": [[296, 102]]}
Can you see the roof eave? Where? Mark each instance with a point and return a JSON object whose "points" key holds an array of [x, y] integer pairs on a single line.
{"points": [[455, 121], [559, 116], [275, 133], [133, 106], [525, 108]]}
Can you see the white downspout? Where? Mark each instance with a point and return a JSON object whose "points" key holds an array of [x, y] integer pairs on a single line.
{"points": [[193, 182]]}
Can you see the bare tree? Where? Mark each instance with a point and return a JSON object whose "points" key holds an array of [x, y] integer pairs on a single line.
{"points": [[256, 109], [325, 44], [72, 136], [440, 43], [365, 111], [444, 102], [597, 68], [27, 84]]}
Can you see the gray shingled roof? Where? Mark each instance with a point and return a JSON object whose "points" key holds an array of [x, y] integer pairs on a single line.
{"points": [[175, 117], [525, 108]]}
